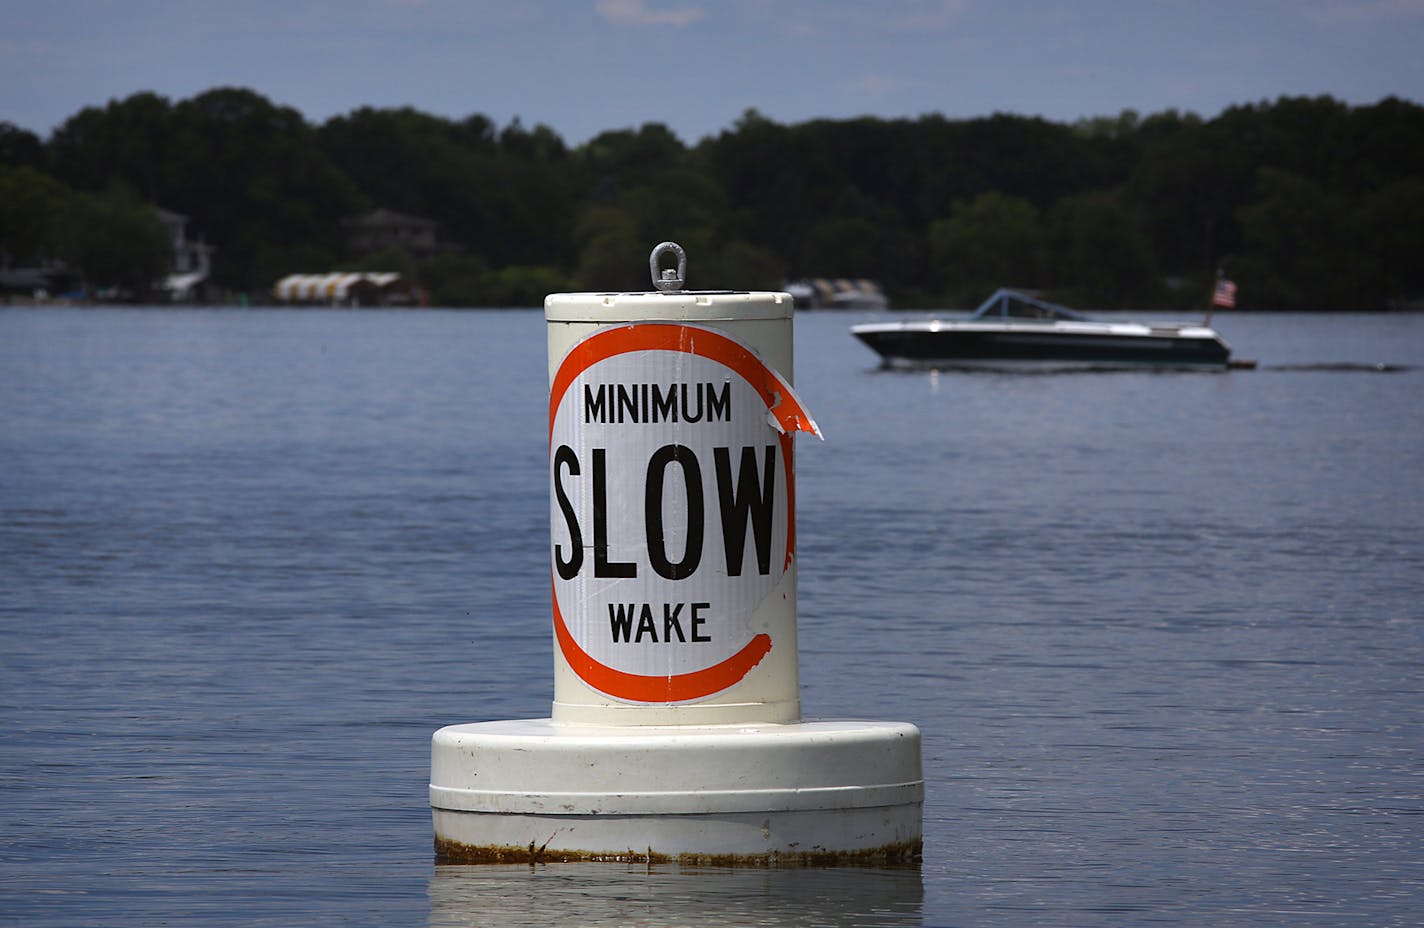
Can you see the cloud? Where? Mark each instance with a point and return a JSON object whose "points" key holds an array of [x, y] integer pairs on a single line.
{"points": [[636, 13]]}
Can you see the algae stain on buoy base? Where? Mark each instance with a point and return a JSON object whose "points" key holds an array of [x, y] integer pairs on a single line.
{"points": [[675, 733]]}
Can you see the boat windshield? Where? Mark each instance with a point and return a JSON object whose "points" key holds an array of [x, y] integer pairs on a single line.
{"points": [[1011, 304]]}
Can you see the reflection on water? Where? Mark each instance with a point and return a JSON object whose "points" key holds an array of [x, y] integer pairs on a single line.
{"points": [[616, 894]]}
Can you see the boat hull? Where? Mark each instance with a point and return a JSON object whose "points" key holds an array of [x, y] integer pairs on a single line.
{"points": [[1132, 345]]}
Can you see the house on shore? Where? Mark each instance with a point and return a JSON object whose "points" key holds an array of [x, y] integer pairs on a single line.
{"points": [[384, 229], [190, 268]]}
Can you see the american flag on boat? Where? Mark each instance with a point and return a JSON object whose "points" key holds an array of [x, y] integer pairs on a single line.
{"points": [[1225, 295]]}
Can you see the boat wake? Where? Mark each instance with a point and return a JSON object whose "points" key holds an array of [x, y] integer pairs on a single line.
{"points": [[1040, 369], [1036, 369], [1346, 367]]}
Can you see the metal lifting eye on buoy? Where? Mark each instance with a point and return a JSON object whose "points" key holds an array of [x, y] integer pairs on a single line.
{"points": [[667, 279]]}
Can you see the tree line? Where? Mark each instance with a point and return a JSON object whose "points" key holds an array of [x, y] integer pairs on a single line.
{"points": [[1308, 203]]}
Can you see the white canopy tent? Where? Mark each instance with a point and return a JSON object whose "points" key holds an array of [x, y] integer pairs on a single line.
{"points": [[340, 288]]}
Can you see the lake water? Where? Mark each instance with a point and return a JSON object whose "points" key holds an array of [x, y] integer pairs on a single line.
{"points": [[1163, 632]]}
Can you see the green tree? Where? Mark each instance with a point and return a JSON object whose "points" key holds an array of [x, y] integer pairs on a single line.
{"points": [[779, 182], [252, 177], [1100, 252], [129, 141], [113, 240], [841, 246], [990, 242], [505, 195], [32, 206], [738, 265], [116, 240], [1190, 180], [608, 239], [1387, 229], [909, 202], [20, 148], [454, 280], [387, 259], [1295, 252], [676, 204], [521, 285]]}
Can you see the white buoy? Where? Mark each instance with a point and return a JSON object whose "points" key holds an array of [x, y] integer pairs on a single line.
{"points": [[676, 729]]}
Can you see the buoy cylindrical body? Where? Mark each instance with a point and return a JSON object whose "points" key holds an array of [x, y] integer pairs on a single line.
{"points": [[672, 495], [676, 729]]}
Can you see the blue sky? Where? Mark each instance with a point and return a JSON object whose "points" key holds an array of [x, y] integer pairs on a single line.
{"points": [[585, 66]]}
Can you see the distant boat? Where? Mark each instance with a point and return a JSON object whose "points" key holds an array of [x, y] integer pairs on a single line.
{"points": [[837, 293], [1012, 326]]}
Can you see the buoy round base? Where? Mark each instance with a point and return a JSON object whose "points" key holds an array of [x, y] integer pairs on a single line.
{"points": [[807, 793]]}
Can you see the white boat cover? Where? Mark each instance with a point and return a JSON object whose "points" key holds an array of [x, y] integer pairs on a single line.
{"points": [[336, 287], [181, 283]]}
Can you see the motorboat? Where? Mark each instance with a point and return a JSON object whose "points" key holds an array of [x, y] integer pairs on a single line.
{"points": [[1012, 326]]}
